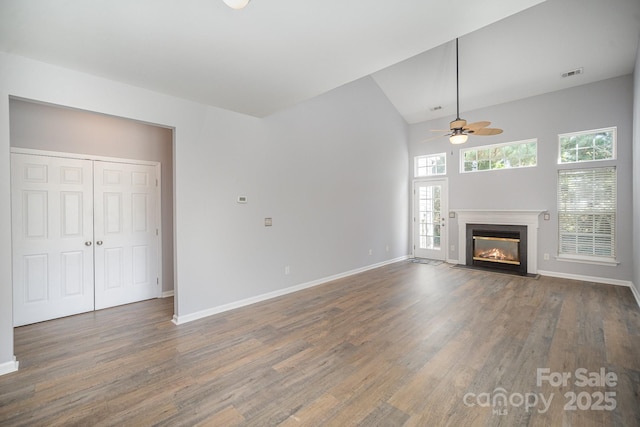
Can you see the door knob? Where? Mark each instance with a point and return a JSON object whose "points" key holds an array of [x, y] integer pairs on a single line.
{"points": [[88, 243], [99, 242]]}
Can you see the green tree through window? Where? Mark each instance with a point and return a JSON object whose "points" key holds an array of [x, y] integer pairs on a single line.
{"points": [[587, 146]]}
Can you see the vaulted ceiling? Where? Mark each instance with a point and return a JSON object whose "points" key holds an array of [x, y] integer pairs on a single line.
{"points": [[276, 53]]}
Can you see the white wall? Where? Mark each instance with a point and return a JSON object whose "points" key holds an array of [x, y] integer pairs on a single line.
{"points": [[331, 172], [602, 104]]}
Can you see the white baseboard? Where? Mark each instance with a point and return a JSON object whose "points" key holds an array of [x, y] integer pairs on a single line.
{"points": [[593, 279], [167, 294], [179, 320], [604, 280], [636, 294], [8, 367], [582, 278]]}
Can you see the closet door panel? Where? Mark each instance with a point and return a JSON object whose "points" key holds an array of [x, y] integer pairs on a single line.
{"points": [[126, 252], [52, 237]]}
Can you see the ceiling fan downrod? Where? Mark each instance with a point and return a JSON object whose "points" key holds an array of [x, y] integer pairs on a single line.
{"points": [[457, 85]]}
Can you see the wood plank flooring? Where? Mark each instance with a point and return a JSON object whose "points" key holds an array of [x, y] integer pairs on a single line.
{"points": [[403, 345]]}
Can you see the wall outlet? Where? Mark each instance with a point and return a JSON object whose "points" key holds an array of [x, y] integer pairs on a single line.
{"points": [[287, 269], [268, 222], [546, 257], [453, 248], [387, 248], [370, 251]]}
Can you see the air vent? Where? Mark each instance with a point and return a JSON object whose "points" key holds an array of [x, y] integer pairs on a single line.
{"points": [[573, 72]]}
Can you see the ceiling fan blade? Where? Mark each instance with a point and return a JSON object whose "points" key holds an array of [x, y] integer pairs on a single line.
{"points": [[487, 131], [457, 124], [436, 137], [476, 125]]}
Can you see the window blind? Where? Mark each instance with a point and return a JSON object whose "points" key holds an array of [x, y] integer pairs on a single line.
{"points": [[587, 212]]}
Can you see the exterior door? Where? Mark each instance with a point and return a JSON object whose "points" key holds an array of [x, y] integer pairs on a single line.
{"points": [[52, 235], [429, 219], [126, 233]]}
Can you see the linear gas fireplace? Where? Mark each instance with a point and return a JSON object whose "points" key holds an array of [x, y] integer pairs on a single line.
{"points": [[501, 247]]}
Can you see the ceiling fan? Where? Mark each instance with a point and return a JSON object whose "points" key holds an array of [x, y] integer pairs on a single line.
{"points": [[459, 130]]}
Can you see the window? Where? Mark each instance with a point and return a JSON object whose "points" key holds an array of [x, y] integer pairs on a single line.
{"points": [[587, 213], [500, 156], [433, 164], [587, 146]]}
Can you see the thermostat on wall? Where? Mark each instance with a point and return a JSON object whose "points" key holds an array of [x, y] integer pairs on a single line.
{"points": [[242, 199]]}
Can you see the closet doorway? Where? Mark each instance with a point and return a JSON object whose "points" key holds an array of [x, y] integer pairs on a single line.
{"points": [[85, 235]]}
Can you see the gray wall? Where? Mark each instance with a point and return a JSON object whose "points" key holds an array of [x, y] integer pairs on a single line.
{"points": [[331, 173], [603, 104], [47, 127]]}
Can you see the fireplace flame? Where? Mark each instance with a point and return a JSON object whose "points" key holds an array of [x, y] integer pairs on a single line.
{"points": [[497, 254]]}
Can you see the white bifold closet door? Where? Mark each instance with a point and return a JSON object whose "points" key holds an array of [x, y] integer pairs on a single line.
{"points": [[125, 228], [84, 235], [52, 215]]}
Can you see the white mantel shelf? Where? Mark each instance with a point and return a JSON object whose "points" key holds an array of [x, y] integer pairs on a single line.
{"points": [[528, 218]]}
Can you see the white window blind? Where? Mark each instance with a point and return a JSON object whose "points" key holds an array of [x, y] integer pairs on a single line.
{"points": [[587, 212]]}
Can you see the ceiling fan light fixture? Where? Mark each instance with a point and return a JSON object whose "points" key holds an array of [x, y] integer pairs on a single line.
{"points": [[236, 4], [458, 138]]}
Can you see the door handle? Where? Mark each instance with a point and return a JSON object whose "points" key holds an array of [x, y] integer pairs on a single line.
{"points": [[87, 243], [99, 243]]}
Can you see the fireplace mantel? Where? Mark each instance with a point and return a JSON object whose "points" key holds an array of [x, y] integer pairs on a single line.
{"points": [[528, 218]]}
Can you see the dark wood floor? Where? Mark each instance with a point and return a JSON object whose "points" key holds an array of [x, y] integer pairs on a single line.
{"points": [[403, 345]]}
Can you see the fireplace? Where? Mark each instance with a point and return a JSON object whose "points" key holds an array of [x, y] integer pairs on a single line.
{"points": [[500, 247], [528, 219]]}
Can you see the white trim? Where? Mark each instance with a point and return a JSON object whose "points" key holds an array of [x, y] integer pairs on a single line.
{"points": [[491, 146], [528, 218], [168, 294], [159, 244], [604, 280], [47, 153], [610, 262], [179, 320], [8, 367], [614, 150], [427, 156], [594, 279], [635, 293]]}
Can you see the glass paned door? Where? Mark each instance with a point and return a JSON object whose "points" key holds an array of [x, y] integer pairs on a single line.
{"points": [[430, 210]]}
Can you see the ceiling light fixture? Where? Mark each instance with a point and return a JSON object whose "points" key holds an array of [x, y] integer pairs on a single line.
{"points": [[236, 4], [458, 137]]}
